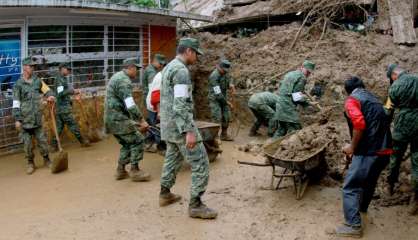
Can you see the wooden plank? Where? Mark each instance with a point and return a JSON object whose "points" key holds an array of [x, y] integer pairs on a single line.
{"points": [[401, 18]]}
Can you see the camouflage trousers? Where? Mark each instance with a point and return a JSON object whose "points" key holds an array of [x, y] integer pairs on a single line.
{"points": [[198, 160], [284, 128], [221, 114], [397, 158], [27, 135], [132, 150], [67, 119], [264, 116]]}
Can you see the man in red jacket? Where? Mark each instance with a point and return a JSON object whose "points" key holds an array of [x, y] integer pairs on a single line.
{"points": [[369, 153]]}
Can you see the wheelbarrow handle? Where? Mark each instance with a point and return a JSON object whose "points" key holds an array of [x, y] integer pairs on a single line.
{"points": [[254, 164]]}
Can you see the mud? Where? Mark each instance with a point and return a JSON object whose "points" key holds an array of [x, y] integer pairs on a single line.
{"points": [[85, 202]]}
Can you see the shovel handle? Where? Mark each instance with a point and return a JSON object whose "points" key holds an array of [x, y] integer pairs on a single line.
{"points": [[54, 126]]}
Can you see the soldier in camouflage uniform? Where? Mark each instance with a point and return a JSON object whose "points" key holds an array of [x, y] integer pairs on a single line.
{"points": [[156, 65], [179, 131], [64, 111], [290, 95], [403, 95], [263, 107], [219, 84], [27, 112], [125, 121]]}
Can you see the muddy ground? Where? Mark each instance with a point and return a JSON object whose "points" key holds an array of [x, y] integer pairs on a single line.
{"points": [[87, 203]]}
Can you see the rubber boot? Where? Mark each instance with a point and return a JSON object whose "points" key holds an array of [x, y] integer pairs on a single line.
{"points": [[47, 162], [30, 168], [138, 175], [167, 198], [225, 136], [413, 206], [84, 142], [199, 210], [349, 231], [253, 131], [121, 173]]}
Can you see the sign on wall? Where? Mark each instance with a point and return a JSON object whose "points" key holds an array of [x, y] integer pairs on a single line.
{"points": [[10, 63]]}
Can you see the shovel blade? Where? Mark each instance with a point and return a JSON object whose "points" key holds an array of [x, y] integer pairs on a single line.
{"points": [[60, 162]]}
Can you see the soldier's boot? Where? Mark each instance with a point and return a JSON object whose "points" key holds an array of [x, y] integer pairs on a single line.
{"points": [[413, 206], [199, 210], [349, 231], [253, 131], [30, 168], [47, 161], [138, 175], [84, 142], [225, 136], [167, 198], [121, 173]]}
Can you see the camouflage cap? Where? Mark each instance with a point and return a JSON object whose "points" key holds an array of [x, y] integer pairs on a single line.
{"points": [[310, 66], [28, 61], [160, 58], [390, 69], [66, 65], [225, 65], [132, 61], [191, 43]]}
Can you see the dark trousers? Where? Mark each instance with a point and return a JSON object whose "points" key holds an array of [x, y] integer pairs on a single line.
{"points": [[153, 135], [360, 184]]}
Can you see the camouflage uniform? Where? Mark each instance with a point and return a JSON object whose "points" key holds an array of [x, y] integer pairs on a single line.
{"points": [[120, 118], [64, 115], [218, 97], [286, 112], [404, 95], [263, 106], [147, 78], [27, 110], [176, 120]]}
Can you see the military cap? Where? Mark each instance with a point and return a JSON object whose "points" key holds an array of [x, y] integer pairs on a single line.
{"points": [[28, 61], [160, 58], [132, 61], [390, 69], [310, 66], [66, 65], [191, 43], [225, 65]]}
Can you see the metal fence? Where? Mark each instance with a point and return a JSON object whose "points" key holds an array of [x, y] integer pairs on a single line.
{"points": [[94, 52]]}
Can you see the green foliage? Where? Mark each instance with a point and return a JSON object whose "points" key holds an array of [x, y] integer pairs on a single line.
{"points": [[144, 3]]}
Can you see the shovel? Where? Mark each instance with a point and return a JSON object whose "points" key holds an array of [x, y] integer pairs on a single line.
{"points": [[92, 136], [59, 162]]}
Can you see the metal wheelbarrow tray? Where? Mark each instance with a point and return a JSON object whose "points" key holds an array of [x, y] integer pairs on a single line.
{"points": [[295, 169], [209, 132]]}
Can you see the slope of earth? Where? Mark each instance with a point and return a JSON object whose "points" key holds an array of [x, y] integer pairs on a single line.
{"points": [[87, 203]]}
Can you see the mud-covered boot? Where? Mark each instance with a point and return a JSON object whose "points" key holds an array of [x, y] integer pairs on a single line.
{"points": [[413, 205], [30, 168], [84, 142], [138, 175], [349, 231], [167, 198], [121, 173], [47, 162], [199, 210], [225, 136], [253, 131]]}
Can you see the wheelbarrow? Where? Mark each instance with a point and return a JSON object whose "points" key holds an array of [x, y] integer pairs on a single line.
{"points": [[296, 169], [209, 132]]}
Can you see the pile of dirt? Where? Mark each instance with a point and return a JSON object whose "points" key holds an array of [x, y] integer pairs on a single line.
{"points": [[306, 142]]}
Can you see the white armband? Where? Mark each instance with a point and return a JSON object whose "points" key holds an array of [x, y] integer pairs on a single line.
{"points": [[16, 104], [297, 96], [217, 90], [181, 90], [129, 102], [60, 89]]}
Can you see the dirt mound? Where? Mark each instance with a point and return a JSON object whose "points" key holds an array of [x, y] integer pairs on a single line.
{"points": [[306, 142]]}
